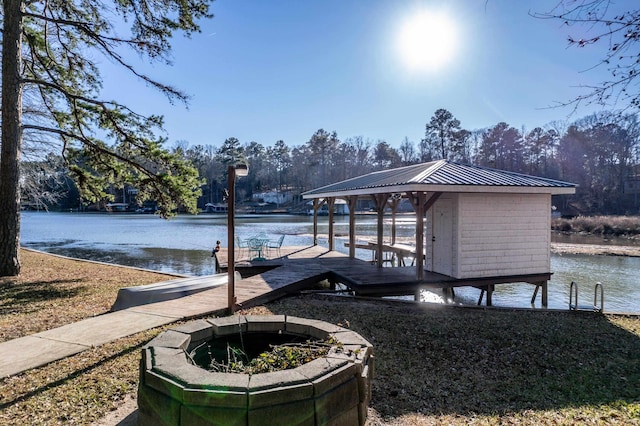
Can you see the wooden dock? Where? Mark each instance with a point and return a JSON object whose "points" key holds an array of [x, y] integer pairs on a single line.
{"points": [[299, 268]]}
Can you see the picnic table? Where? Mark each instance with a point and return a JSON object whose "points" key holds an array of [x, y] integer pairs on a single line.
{"points": [[399, 252]]}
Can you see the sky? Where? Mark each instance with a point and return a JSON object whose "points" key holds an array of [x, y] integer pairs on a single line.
{"points": [[280, 70]]}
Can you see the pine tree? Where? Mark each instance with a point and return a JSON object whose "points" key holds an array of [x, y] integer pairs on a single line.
{"points": [[50, 50]]}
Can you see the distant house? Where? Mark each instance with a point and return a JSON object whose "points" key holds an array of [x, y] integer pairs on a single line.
{"points": [[216, 208], [274, 197], [472, 222], [116, 207], [340, 208]]}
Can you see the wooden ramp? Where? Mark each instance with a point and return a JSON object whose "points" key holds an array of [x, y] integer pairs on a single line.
{"points": [[275, 279]]}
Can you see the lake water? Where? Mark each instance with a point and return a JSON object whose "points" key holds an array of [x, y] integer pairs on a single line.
{"points": [[183, 245]]}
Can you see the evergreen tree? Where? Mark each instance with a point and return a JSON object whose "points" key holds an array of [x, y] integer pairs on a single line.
{"points": [[51, 49], [440, 134]]}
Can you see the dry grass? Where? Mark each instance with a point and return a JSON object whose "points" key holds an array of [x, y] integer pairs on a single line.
{"points": [[628, 226], [52, 291], [463, 366], [432, 365]]}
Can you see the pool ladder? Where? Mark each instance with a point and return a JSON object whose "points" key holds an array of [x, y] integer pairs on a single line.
{"points": [[573, 294]]}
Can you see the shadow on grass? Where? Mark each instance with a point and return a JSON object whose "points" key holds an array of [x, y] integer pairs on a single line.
{"points": [[459, 361], [21, 297], [68, 377]]}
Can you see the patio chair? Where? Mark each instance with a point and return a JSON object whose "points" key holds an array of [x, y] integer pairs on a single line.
{"points": [[241, 246], [276, 244]]}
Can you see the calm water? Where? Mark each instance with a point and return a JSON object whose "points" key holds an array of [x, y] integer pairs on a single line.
{"points": [[183, 245]]}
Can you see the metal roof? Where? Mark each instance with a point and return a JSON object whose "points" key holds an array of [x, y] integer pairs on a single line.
{"points": [[444, 176]]}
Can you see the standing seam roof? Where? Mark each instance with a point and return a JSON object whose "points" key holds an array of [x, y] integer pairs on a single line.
{"points": [[442, 172]]}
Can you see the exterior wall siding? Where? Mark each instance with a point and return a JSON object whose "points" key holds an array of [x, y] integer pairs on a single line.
{"points": [[503, 234]]}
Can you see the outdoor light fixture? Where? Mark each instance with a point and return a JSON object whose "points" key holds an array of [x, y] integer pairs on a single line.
{"points": [[241, 170]]}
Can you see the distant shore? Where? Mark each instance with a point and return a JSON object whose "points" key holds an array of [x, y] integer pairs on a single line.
{"points": [[595, 249]]}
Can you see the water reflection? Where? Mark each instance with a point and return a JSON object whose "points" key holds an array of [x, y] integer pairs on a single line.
{"points": [[183, 245]]}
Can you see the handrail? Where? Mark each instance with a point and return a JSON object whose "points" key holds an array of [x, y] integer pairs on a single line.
{"points": [[573, 290], [573, 294], [595, 298]]}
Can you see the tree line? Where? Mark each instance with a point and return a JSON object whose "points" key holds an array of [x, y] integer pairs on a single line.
{"points": [[600, 152], [51, 81]]}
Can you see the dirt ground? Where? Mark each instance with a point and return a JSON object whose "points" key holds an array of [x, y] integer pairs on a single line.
{"points": [[125, 415]]}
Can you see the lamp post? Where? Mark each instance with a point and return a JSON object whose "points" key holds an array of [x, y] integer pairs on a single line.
{"points": [[233, 171]]}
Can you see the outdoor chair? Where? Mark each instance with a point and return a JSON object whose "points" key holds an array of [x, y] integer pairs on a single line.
{"points": [[241, 246], [276, 244]]}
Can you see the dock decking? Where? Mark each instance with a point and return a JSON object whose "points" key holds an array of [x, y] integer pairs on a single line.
{"points": [[300, 267]]}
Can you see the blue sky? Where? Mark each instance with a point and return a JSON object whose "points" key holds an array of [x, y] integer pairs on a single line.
{"points": [[268, 70]]}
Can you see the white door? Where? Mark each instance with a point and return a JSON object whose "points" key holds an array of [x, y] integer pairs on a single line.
{"points": [[442, 238]]}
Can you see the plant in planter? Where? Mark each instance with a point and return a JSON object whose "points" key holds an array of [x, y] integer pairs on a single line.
{"points": [[278, 357], [256, 370]]}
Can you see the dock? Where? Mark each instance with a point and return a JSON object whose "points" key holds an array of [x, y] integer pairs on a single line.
{"points": [[299, 268]]}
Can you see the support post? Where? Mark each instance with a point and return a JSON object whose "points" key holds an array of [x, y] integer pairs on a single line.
{"points": [[231, 266], [381, 202], [331, 203], [352, 202], [419, 209], [544, 296], [315, 221]]}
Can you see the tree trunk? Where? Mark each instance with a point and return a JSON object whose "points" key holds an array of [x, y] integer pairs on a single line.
{"points": [[11, 138]]}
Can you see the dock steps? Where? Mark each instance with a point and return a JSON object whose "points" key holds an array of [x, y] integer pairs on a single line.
{"points": [[573, 299]]}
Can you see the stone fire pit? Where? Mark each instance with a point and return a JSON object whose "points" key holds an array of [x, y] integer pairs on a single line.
{"points": [[335, 389]]}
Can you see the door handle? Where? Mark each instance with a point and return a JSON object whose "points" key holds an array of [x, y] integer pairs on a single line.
{"points": [[433, 238]]}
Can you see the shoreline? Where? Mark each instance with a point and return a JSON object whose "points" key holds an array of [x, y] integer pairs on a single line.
{"points": [[595, 249]]}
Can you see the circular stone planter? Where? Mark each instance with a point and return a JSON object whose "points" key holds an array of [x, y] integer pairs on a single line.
{"points": [[335, 389]]}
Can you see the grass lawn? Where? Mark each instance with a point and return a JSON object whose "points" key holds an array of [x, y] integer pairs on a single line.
{"points": [[433, 365]]}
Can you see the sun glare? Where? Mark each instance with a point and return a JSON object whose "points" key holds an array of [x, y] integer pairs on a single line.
{"points": [[427, 41]]}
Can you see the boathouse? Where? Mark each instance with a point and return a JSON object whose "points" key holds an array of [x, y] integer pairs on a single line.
{"points": [[475, 226]]}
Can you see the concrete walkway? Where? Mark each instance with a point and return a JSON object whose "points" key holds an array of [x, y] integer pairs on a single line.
{"points": [[25, 353], [38, 349]]}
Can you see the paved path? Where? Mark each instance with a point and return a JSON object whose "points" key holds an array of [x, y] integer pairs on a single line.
{"points": [[38, 349], [298, 268]]}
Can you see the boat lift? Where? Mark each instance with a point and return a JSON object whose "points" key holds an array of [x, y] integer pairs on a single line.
{"points": [[573, 294]]}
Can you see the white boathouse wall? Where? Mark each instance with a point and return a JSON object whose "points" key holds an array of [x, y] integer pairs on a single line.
{"points": [[491, 234]]}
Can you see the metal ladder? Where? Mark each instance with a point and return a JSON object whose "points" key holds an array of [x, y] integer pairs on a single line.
{"points": [[573, 294]]}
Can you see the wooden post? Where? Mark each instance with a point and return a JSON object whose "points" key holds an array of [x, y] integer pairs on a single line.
{"points": [[352, 203], [421, 205], [539, 285], [330, 203], [393, 203], [490, 289], [419, 209], [381, 202], [315, 221]]}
